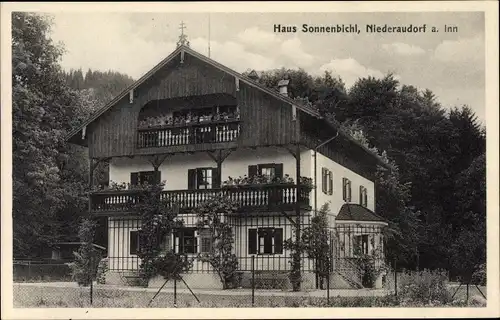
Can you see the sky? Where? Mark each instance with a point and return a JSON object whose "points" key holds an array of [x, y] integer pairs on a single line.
{"points": [[452, 64]]}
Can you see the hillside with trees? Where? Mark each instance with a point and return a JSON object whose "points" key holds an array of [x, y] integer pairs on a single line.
{"points": [[432, 205], [50, 176], [434, 197]]}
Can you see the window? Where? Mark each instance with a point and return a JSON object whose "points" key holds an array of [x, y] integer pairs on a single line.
{"points": [[185, 241], [206, 241], [346, 189], [203, 178], [363, 196], [151, 177], [360, 244], [271, 170], [134, 242], [265, 241], [327, 181]]}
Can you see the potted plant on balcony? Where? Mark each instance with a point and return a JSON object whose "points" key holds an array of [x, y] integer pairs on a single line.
{"points": [[205, 118], [189, 118], [217, 117], [162, 120], [143, 124], [169, 121], [306, 183]]}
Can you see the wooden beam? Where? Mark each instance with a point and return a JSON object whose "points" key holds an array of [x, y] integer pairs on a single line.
{"points": [[157, 160], [94, 162], [293, 152], [288, 217], [219, 155]]}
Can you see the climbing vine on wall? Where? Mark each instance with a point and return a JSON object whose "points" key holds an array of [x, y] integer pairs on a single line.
{"points": [[159, 217], [314, 241], [212, 221]]}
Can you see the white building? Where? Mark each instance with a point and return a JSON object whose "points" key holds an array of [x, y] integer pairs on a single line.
{"points": [[198, 126]]}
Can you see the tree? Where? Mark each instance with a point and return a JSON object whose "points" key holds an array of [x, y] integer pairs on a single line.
{"points": [[316, 242], [41, 117], [468, 249], [84, 267]]}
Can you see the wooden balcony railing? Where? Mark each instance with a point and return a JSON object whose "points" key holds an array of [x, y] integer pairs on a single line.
{"points": [[248, 198], [222, 131]]}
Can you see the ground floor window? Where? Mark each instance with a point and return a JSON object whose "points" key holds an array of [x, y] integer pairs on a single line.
{"points": [[185, 240], [265, 241], [361, 245]]}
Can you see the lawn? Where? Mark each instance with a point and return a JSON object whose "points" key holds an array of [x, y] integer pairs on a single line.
{"points": [[73, 297]]}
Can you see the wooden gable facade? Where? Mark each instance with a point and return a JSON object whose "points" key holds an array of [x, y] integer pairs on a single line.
{"points": [[266, 118]]}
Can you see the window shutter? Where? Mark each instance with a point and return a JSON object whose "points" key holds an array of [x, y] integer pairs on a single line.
{"points": [[252, 241], [330, 182], [323, 179], [278, 170], [199, 178], [180, 244], [196, 249], [191, 179], [348, 190], [361, 195], [215, 178], [344, 189], [278, 241], [157, 177], [134, 178], [252, 171], [134, 242], [267, 235]]}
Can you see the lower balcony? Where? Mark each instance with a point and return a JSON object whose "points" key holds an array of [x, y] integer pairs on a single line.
{"points": [[261, 198]]}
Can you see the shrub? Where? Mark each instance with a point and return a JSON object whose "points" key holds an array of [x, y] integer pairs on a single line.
{"points": [[83, 269], [479, 277], [102, 269], [426, 288]]}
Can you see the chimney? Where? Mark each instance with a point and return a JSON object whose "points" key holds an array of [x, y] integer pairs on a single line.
{"points": [[283, 87], [253, 75]]}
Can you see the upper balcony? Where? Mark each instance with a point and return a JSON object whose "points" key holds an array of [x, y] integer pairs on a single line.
{"points": [[249, 198], [202, 119]]}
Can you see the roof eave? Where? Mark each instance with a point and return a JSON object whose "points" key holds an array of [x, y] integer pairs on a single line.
{"points": [[136, 84], [380, 161]]}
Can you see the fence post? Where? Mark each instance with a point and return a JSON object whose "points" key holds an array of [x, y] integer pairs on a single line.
{"points": [[253, 281], [395, 279], [467, 295], [91, 279], [175, 292], [328, 288]]}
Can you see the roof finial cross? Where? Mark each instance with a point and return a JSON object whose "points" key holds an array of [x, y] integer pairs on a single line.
{"points": [[182, 38]]}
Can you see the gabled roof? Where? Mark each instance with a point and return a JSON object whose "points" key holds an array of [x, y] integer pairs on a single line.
{"points": [[356, 212], [205, 59], [300, 106]]}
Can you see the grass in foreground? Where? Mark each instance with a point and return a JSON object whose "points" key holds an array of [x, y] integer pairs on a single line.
{"points": [[51, 297]]}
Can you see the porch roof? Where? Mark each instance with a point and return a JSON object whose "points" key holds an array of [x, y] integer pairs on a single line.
{"points": [[356, 212]]}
